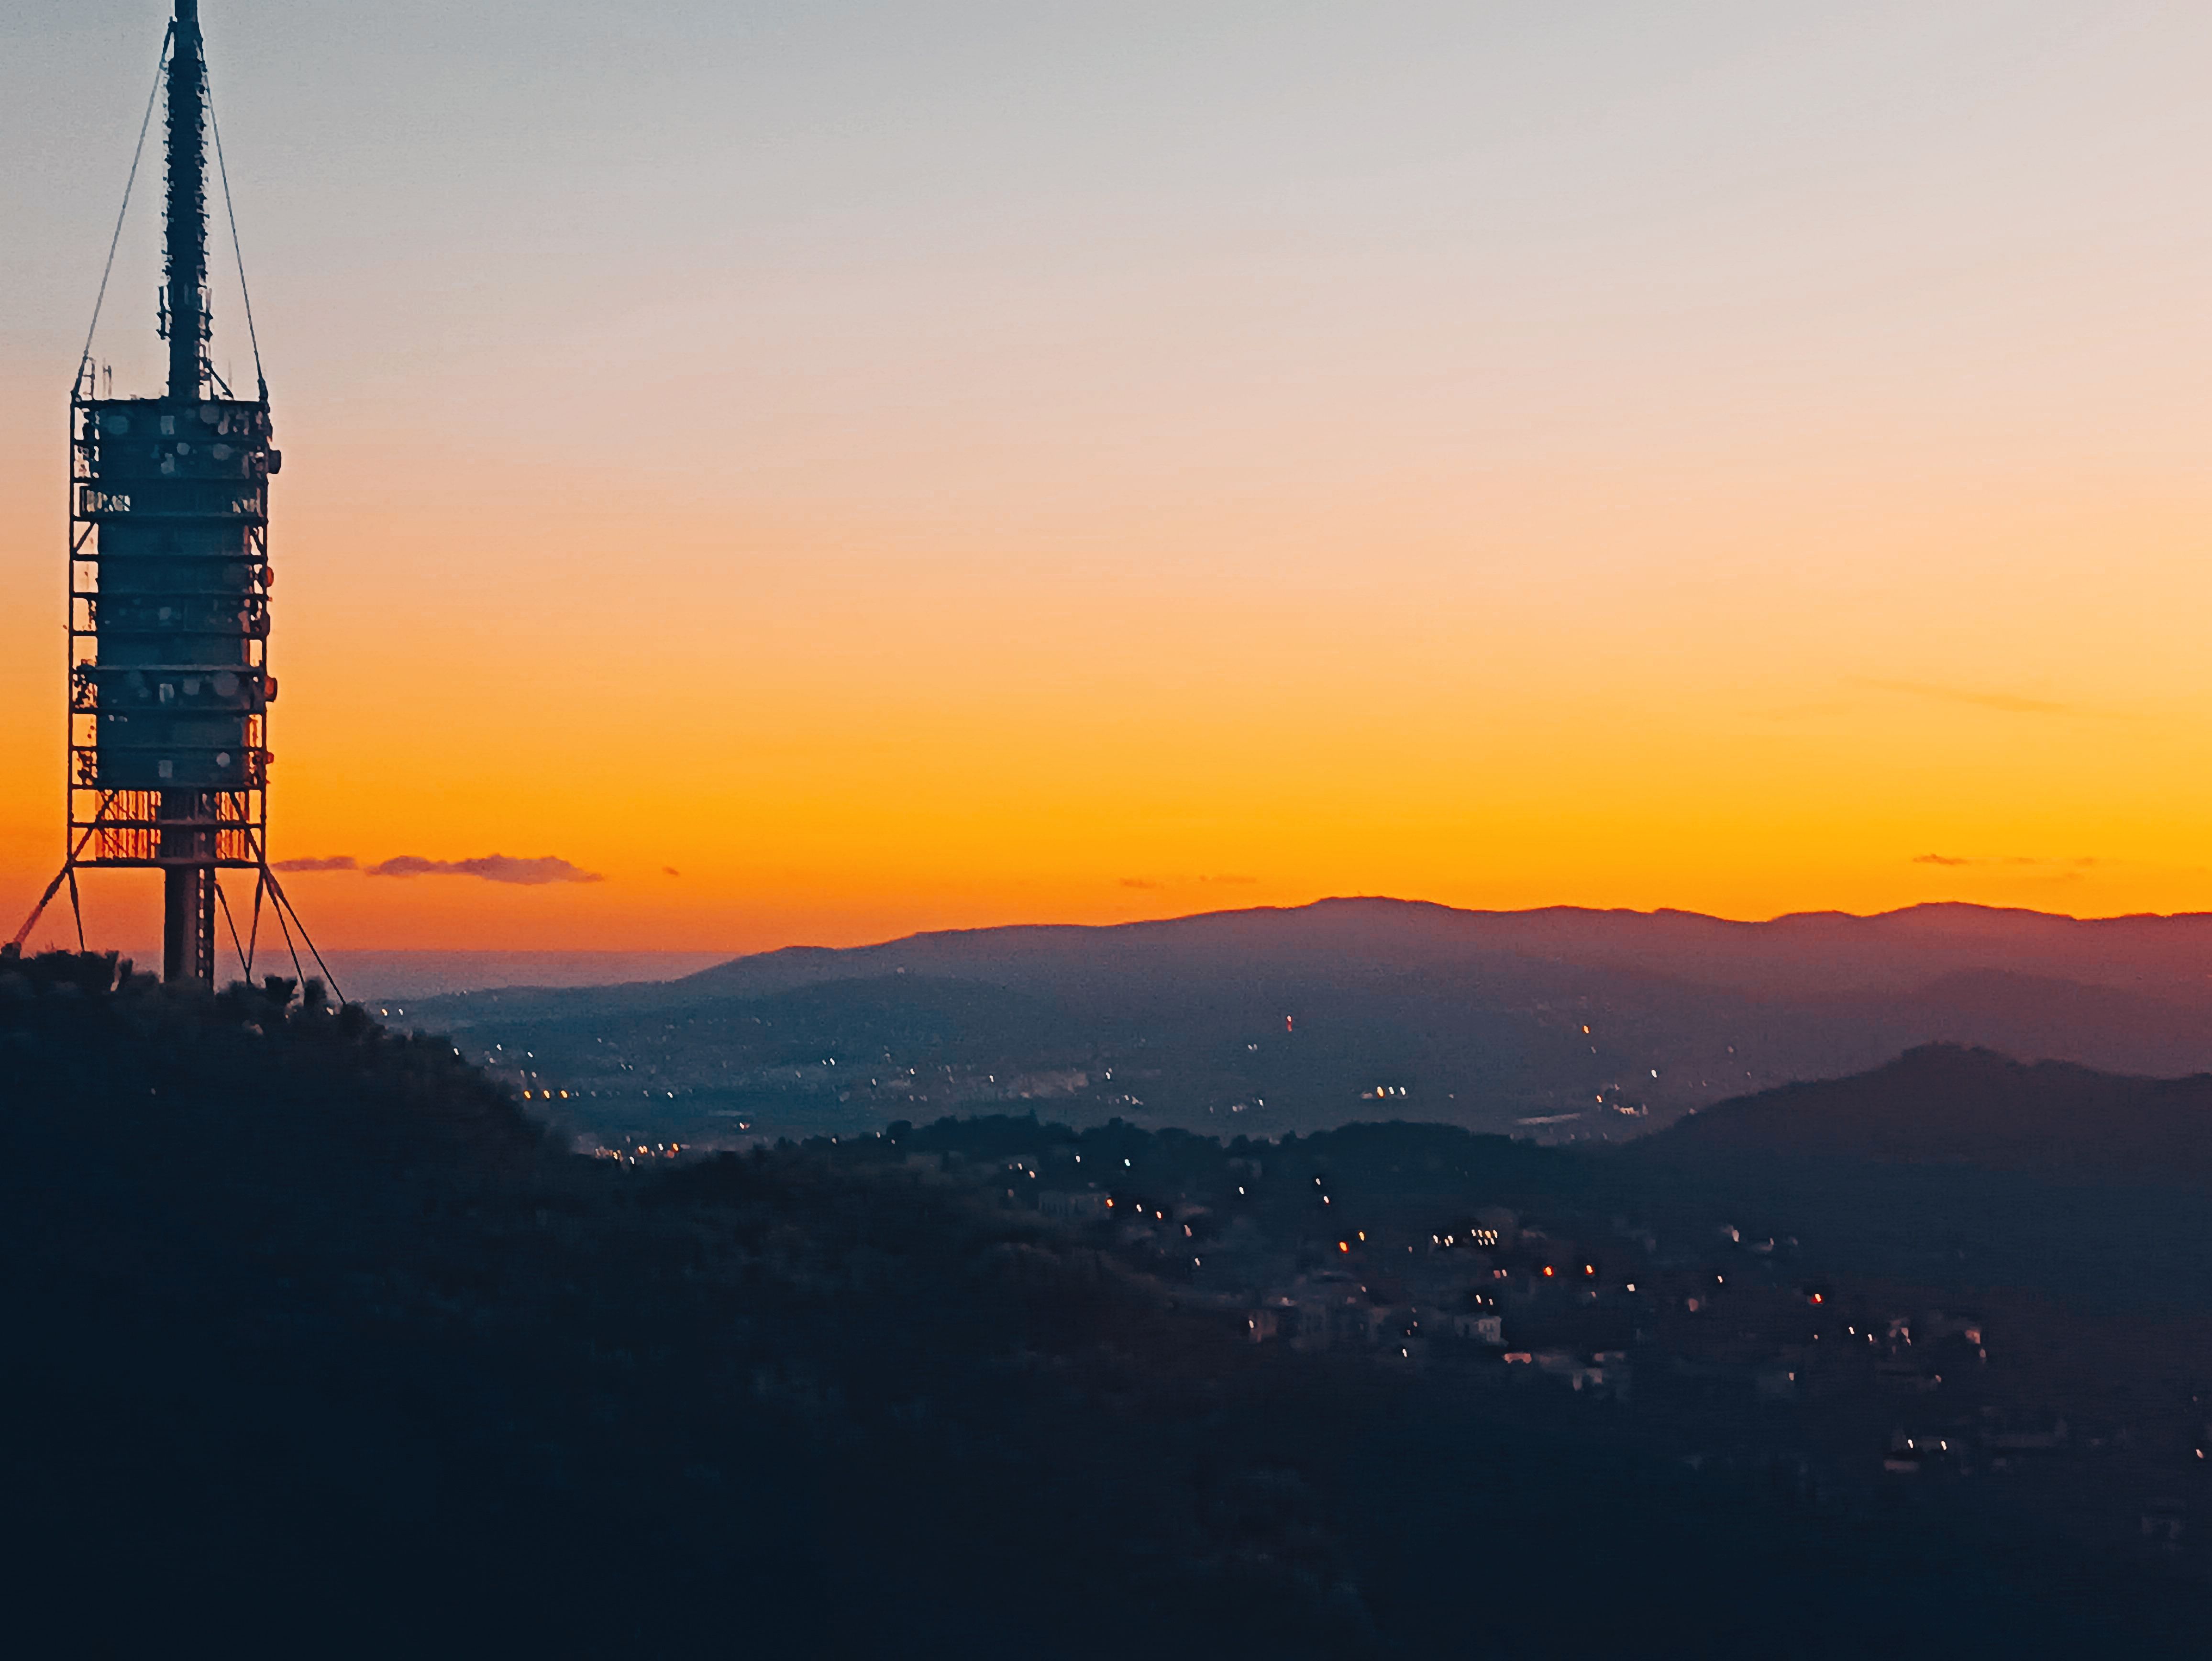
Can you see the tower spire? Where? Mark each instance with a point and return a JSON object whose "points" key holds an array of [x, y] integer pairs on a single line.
{"points": [[184, 211]]}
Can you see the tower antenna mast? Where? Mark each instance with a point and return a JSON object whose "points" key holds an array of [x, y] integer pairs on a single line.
{"points": [[183, 207]]}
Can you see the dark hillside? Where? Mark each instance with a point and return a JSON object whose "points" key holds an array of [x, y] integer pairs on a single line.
{"points": [[1963, 1169], [316, 1346], [1942, 1104]]}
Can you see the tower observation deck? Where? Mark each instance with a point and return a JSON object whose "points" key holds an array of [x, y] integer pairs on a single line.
{"points": [[169, 582]]}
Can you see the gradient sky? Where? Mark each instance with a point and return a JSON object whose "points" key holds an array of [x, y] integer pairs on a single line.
{"points": [[907, 466]]}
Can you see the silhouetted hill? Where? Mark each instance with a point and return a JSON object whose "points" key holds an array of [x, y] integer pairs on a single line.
{"points": [[1961, 1168], [1944, 1103], [315, 1343], [317, 1346]]}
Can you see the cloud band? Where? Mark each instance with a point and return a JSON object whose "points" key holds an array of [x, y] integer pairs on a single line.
{"points": [[491, 867]]}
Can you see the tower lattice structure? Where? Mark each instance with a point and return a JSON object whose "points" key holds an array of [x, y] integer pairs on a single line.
{"points": [[169, 583]]}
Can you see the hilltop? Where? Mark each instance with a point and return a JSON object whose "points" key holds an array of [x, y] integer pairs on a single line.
{"points": [[1949, 1104], [1964, 1168]]}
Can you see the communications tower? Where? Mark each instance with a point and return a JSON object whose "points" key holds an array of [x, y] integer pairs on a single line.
{"points": [[169, 580]]}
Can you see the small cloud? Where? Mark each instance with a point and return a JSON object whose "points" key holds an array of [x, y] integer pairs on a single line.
{"points": [[317, 862], [669, 871], [2010, 702], [1142, 882], [1940, 859], [492, 868]]}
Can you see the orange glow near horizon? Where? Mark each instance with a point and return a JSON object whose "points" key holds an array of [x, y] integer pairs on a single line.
{"points": [[830, 742], [1760, 486]]}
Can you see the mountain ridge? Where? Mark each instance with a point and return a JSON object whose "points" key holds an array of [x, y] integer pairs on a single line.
{"points": [[2131, 949]]}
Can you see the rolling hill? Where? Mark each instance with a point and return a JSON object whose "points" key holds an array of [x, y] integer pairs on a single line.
{"points": [[1947, 1104]]}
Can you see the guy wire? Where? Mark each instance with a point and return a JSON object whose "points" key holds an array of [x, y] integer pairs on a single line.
{"points": [[161, 64]]}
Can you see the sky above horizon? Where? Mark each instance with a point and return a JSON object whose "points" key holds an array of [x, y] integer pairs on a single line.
{"points": [[829, 471]]}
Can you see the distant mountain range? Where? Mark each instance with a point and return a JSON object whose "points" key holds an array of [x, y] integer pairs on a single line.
{"points": [[1563, 1024], [1809, 953]]}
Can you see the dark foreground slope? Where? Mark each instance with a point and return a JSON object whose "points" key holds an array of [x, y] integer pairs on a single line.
{"points": [[315, 1347]]}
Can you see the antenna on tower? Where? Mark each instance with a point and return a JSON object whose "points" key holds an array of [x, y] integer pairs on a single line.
{"points": [[183, 207]]}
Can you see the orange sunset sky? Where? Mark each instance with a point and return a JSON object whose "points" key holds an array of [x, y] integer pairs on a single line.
{"points": [[837, 470]]}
